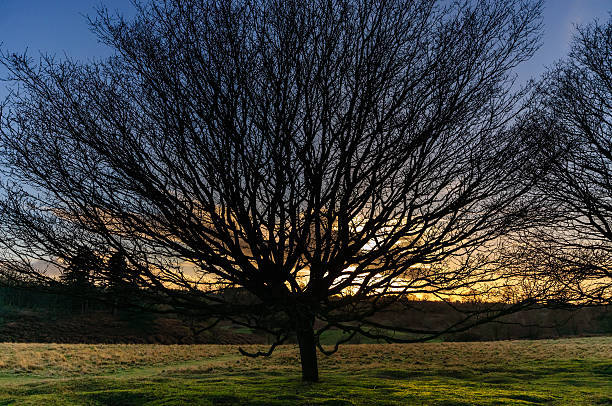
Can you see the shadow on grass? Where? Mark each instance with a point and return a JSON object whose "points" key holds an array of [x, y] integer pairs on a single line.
{"points": [[120, 397]]}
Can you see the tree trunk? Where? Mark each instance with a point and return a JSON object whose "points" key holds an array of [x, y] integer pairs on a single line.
{"points": [[308, 350]]}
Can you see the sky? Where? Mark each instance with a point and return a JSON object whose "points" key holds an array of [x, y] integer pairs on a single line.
{"points": [[59, 27]]}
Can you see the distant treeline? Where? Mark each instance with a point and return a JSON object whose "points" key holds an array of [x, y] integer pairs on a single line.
{"points": [[27, 314], [527, 324], [28, 297], [32, 299], [543, 323]]}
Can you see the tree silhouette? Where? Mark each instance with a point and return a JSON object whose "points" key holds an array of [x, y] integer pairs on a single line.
{"points": [[80, 269], [78, 276], [290, 166], [119, 280], [576, 113]]}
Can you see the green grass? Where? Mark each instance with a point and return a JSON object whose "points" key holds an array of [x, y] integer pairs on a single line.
{"points": [[551, 372]]}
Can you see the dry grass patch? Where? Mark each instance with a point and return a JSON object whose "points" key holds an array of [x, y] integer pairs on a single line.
{"points": [[77, 359], [472, 354], [83, 359]]}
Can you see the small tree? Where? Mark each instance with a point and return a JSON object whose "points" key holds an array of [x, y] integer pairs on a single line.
{"points": [[290, 166], [119, 280], [78, 276]]}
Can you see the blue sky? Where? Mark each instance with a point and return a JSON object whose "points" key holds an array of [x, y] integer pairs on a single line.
{"points": [[54, 26], [59, 27], [560, 17]]}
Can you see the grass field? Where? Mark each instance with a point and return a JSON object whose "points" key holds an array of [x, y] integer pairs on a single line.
{"points": [[556, 372]]}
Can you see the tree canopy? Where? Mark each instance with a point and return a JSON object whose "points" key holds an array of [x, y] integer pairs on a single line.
{"points": [[290, 166], [575, 114]]}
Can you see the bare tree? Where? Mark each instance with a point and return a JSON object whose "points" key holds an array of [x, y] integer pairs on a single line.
{"points": [[291, 166], [576, 113]]}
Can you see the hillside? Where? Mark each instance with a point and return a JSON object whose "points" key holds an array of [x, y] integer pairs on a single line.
{"points": [[103, 325]]}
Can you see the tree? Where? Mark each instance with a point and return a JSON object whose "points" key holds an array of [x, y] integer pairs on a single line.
{"points": [[288, 166], [119, 280], [117, 272], [80, 269], [78, 275], [576, 113]]}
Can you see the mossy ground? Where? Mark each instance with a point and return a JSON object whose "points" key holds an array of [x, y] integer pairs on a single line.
{"points": [[556, 372]]}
